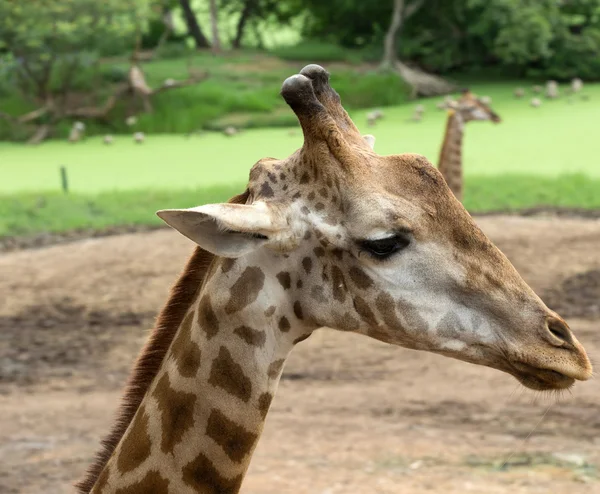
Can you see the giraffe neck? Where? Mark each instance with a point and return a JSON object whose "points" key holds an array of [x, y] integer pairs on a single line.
{"points": [[450, 163], [201, 417]]}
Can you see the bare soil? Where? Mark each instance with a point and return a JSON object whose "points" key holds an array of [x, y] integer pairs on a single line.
{"points": [[352, 415]]}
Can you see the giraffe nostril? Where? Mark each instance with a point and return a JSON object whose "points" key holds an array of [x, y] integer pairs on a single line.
{"points": [[560, 330]]}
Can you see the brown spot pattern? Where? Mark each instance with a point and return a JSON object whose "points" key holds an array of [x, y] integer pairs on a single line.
{"points": [[177, 412], [307, 264], [450, 326], [136, 445], [185, 351], [236, 441], [319, 251], [226, 264], [364, 311], [270, 311], [152, 483], [386, 307], [411, 316], [298, 310], [360, 278], [207, 319], [202, 476], [251, 336], [284, 324], [228, 375], [338, 284], [266, 190], [264, 403], [285, 280], [245, 290], [275, 368], [345, 322]]}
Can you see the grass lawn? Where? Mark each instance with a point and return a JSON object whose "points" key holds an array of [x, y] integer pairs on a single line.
{"points": [[543, 156], [557, 138]]}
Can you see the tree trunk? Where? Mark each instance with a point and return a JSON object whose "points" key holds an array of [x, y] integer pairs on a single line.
{"points": [[246, 13], [389, 43], [216, 43], [193, 26]]}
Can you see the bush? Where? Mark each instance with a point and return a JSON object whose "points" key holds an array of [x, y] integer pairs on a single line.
{"points": [[317, 51]]}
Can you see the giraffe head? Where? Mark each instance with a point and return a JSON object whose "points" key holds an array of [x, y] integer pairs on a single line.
{"points": [[470, 107], [379, 245]]}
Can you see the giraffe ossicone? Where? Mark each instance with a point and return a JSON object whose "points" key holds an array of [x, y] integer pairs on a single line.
{"points": [[334, 235]]}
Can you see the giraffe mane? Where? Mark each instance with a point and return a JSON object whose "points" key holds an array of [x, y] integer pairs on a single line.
{"points": [[150, 358]]}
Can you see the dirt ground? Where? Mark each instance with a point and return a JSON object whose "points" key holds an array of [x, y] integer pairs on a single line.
{"points": [[352, 415]]}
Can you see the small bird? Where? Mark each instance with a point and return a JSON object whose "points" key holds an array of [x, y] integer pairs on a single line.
{"points": [[139, 137], [131, 121], [537, 89], [552, 90], [373, 116], [230, 131], [576, 85], [519, 92], [108, 139], [77, 131], [535, 102]]}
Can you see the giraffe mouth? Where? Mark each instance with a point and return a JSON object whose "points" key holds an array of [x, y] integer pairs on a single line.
{"points": [[540, 379]]}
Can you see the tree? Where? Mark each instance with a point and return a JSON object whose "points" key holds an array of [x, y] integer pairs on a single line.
{"points": [[51, 46], [214, 23], [421, 82], [193, 26]]}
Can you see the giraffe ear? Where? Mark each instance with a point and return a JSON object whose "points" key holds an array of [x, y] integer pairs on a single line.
{"points": [[228, 230]]}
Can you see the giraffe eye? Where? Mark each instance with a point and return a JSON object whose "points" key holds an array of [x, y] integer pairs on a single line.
{"points": [[385, 247]]}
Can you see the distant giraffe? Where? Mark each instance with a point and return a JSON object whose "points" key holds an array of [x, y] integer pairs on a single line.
{"points": [[467, 108], [332, 236]]}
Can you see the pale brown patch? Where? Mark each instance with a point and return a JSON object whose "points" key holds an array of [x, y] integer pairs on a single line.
{"points": [[285, 280], [207, 319], [284, 324], [298, 310], [360, 278], [245, 290], [386, 307], [264, 403], [229, 376], [226, 264], [152, 483], [251, 336], [307, 264], [275, 368], [184, 350], [237, 442], [177, 412], [364, 311], [136, 445], [202, 476]]}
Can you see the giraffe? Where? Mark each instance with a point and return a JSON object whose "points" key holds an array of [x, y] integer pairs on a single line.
{"points": [[467, 108], [332, 236]]}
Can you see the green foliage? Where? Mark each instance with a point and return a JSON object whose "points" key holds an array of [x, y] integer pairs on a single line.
{"points": [[544, 38], [51, 40]]}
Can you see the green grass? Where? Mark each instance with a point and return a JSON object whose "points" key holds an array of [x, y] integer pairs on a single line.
{"points": [[557, 138], [536, 157], [30, 213]]}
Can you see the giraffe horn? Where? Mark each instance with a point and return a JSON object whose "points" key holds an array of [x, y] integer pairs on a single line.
{"points": [[318, 125], [328, 97]]}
